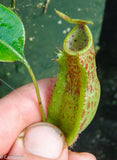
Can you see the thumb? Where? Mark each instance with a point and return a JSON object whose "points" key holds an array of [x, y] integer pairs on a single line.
{"points": [[40, 141]]}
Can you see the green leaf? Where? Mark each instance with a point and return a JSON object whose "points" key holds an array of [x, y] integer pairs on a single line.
{"points": [[12, 36]]}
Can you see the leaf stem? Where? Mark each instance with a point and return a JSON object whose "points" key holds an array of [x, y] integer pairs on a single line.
{"points": [[36, 88]]}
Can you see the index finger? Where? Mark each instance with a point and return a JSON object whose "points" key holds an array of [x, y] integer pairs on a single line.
{"points": [[17, 111]]}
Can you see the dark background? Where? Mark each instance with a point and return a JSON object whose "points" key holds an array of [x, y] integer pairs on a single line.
{"points": [[100, 138]]}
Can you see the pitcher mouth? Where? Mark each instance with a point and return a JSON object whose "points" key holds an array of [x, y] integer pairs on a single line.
{"points": [[78, 41]]}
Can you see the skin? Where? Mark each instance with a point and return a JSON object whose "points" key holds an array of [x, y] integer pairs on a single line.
{"points": [[18, 110]]}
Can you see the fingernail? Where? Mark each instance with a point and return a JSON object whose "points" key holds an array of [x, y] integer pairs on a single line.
{"points": [[44, 140], [87, 156]]}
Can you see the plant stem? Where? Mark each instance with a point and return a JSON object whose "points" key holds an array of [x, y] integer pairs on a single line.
{"points": [[12, 5], [36, 88], [46, 6]]}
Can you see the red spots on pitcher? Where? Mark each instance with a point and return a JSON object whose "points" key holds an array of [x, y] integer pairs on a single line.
{"points": [[88, 105], [63, 116], [82, 62], [92, 65], [75, 40], [92, 104], [83, 113], [90, 58], [95, 104], [87, 87], [70, 107], [93, 76], [91, 88], [95, 93], [82, 124], [86, 66]]}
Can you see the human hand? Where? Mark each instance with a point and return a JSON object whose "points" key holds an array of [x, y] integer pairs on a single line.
{"points": [[19, 112]]}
